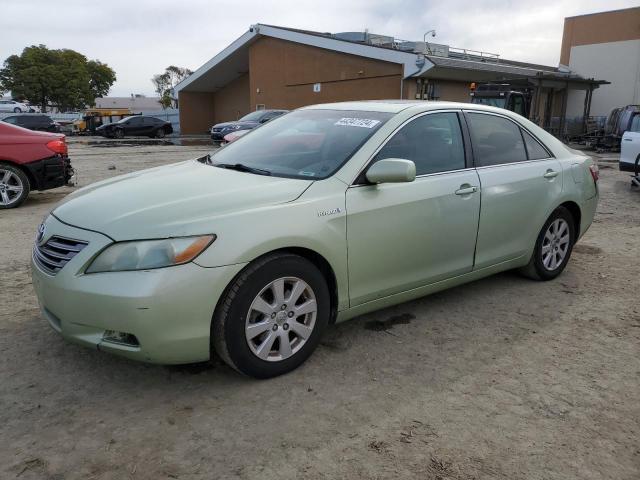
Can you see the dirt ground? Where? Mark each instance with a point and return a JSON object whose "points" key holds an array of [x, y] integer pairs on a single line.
{"points": [[502, 378]]}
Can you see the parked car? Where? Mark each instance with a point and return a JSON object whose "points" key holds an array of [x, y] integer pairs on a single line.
{"points": [[326, 213], [249, 121], [618, 122], [13, 106], [136, 125], [630, 147], [30, 161], [42, 123], [233, 136]]}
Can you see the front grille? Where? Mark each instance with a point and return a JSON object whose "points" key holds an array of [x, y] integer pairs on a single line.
{"points": [[53, 255]]}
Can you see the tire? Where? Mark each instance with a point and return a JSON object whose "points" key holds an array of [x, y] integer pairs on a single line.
{"points": [[255, 286], [553, 246], [118, 133], [14, 186], [160, 133], [17, 110]]}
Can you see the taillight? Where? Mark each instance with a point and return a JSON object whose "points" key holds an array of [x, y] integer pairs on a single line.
{"points": [[58, 146], [595, 172]]}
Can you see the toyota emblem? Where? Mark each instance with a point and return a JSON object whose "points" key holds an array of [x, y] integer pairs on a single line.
{"points": [[40, 236]]}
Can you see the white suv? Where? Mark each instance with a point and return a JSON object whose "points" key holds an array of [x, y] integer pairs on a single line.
{"points": [[630, 147], [13, 106]]}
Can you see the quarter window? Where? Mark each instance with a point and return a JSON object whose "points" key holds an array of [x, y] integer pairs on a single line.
{"points": [[433, 142], [635, 123], [535, 151], [496, 140]]}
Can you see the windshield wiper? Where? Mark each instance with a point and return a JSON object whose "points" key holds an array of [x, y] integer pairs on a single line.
{"points": [[240, 167]]}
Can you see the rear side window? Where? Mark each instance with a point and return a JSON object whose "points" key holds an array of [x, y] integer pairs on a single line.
{"points": [[433, 142], [535, 151], [496, 140]]}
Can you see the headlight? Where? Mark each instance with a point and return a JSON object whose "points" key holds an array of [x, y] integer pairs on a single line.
{"points": [[147, 254]]}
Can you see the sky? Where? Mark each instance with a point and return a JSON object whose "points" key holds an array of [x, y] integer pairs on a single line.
{"points": [[140, 38]]}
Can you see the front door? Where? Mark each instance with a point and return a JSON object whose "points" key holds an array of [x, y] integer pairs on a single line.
{"points": [[521, 184], [404, 235]]}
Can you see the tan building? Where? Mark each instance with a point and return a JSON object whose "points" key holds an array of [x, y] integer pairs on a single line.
{"points": [[277, 67], [604, 45]]}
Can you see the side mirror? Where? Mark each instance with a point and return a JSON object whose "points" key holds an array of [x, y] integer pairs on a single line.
{"points": [[392, 170]]}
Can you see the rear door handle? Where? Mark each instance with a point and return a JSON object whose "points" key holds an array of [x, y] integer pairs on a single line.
{"points": [[466, 190], [550, 174]]}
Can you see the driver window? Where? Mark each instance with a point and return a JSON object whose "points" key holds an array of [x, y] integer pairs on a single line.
{"points": [[433, 142]]}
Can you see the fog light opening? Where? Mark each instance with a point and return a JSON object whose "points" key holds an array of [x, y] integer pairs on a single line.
{"points": [[123, 338]]}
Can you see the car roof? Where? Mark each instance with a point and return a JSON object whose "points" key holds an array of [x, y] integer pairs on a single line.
{"points": [[397, 106]]}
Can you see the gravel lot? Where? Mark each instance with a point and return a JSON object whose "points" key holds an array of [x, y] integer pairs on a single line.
{"points": [[501, 378]]}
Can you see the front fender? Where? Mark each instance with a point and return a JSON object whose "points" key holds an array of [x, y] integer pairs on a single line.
{"points": [[315, 221]]}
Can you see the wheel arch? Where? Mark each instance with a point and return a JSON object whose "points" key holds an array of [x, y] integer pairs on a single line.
{"points": [[33, 184], [318, 260], [576, 213]]}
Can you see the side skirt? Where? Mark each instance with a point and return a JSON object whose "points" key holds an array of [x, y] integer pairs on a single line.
{"points": [[431, 288]]}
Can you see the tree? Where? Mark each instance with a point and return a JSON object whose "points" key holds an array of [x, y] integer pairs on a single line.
{"points": [[62, 78], [166, 81]]}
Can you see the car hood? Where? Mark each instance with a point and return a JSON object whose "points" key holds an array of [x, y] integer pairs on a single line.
{"points": [[231, 124], [174, 200]]}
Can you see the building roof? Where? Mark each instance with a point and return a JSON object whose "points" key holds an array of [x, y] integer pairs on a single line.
{"points": [[458, 64]]}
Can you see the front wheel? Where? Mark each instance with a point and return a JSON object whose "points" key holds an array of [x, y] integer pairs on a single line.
{"points": [[553, 246], [14, 186], [118, 133], [272, 316], [160, 133], [17, 110]]}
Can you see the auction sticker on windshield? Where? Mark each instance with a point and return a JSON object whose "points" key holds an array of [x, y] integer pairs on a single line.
{"points": [[357, 122]]}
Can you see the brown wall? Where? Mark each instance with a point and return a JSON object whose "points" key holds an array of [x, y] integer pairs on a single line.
{"points": [[452, 91], [284, 72], [196, 112], [605, 27], [232, 101]]}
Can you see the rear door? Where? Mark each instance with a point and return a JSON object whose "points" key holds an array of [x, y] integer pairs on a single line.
{"points": [[630, 147], [520, 182]]}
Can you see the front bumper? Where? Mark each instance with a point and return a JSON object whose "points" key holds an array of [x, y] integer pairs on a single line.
{"points": [[51, 172], [169, 310], [218, 136]]}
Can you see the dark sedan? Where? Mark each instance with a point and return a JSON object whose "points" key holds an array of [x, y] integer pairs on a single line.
{"points": [[136, 125], [40, 123], [252, 120]]}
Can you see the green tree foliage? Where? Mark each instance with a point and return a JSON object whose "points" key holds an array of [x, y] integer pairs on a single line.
{"points": [[164, 83], [61, 78]]}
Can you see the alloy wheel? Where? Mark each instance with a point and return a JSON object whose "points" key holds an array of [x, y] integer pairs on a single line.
{"points": [[555, 244], [281, 319], [11, 187]]}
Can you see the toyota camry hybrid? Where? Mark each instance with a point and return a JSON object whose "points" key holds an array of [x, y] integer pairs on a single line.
{"points": [[326, 213]]}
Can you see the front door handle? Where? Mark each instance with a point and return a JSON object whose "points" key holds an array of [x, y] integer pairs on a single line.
{"points": [[628, 139], [466, 189], [550, 174]]}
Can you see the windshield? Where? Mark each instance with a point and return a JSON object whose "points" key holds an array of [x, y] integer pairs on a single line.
{"points": [[304, 143], [253, 116], [492, 102]]}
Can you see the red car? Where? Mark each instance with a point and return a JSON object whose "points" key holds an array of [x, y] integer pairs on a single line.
{"points": [[30, 160]]}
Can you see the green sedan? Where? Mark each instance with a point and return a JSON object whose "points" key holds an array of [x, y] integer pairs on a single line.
{"points": [[326, 213]]}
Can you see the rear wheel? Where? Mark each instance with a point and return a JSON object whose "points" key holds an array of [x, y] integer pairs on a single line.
{"points": [[553, 246], [272, 316], [14, 186]]}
